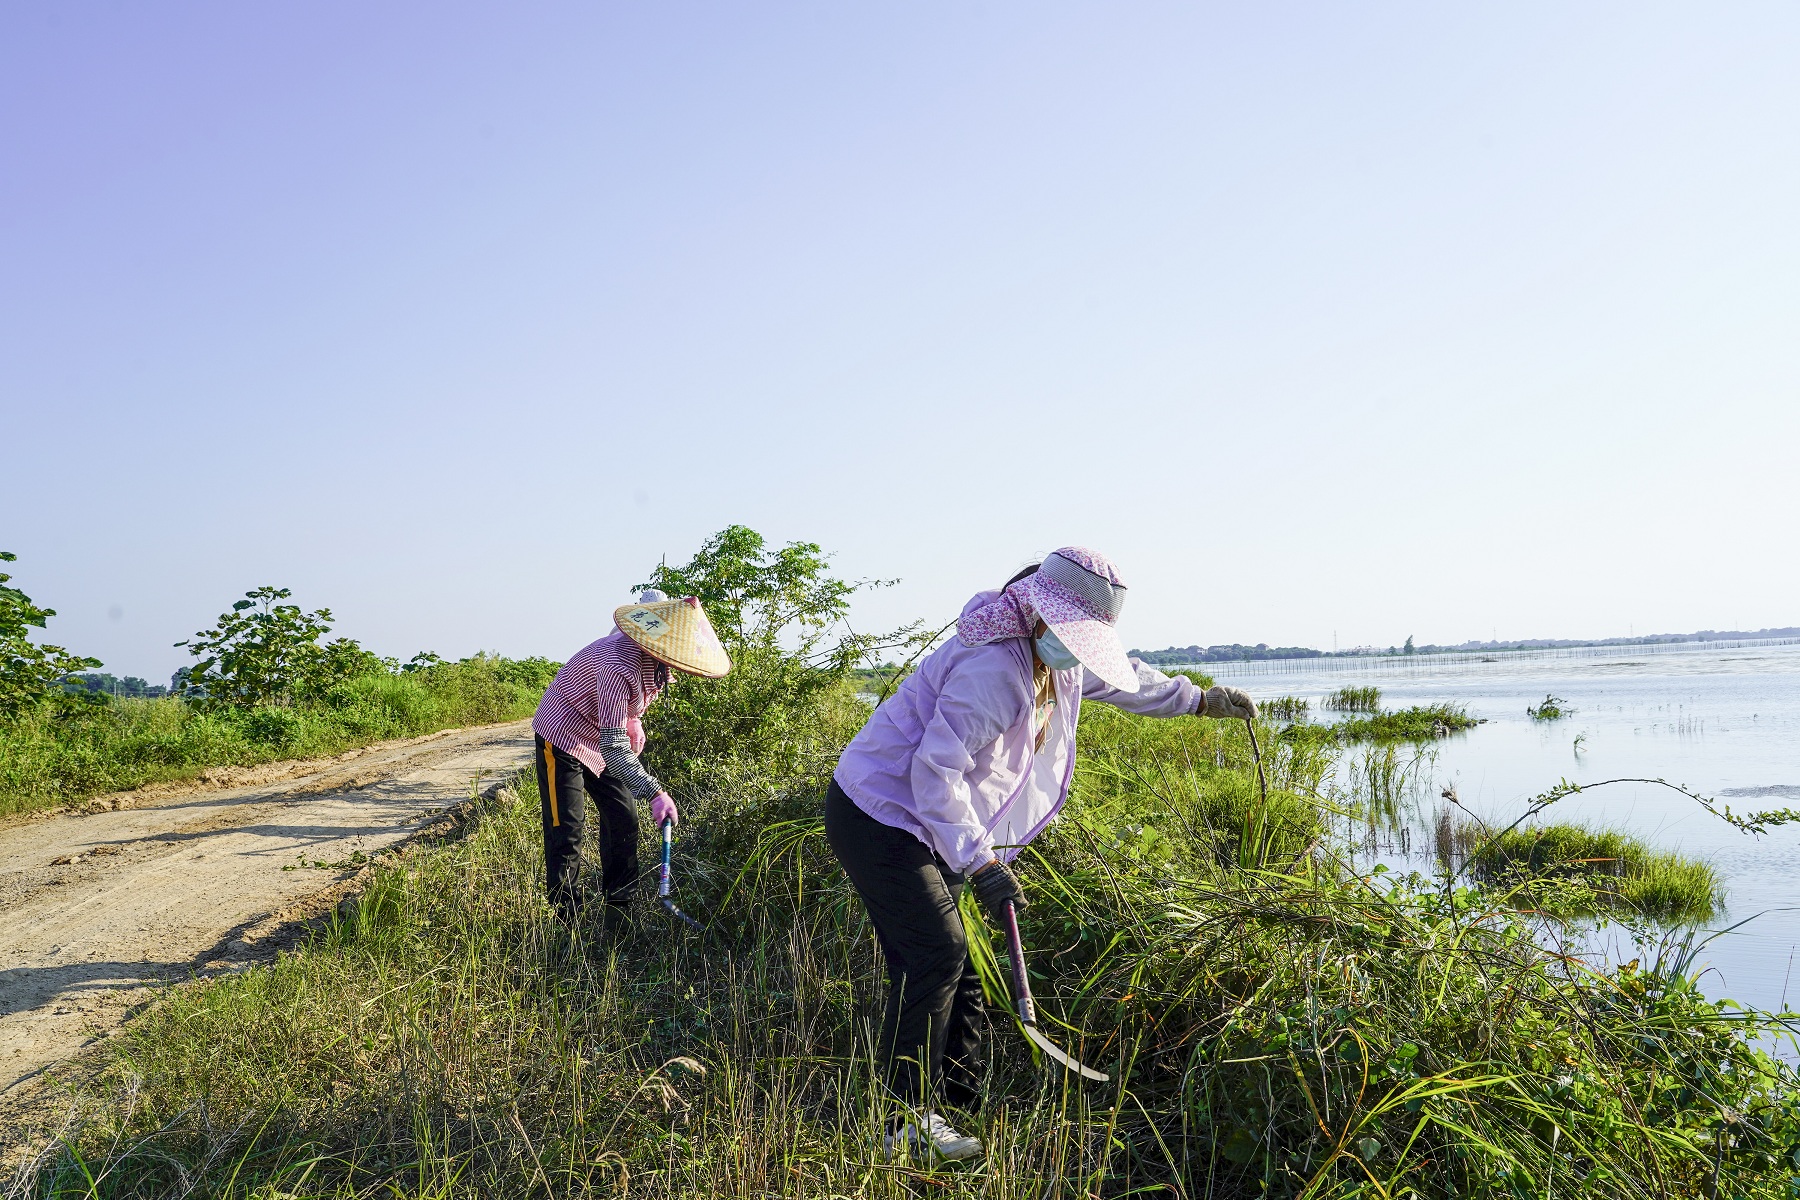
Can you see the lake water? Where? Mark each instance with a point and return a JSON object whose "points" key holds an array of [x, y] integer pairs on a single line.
{"points": [[1721, 719]]}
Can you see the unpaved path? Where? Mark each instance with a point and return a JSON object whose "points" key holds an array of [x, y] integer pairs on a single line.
{"points": [[98, 909]]}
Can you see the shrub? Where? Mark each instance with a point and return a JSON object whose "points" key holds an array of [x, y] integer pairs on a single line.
{"points": [[789, 704], [275, 727], [401, 700]]}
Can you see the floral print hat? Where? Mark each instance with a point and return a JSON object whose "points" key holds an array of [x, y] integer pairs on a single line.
{"points": [[1076, 592]]}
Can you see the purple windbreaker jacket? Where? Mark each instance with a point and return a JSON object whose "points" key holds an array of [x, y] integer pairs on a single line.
{"points": [[949, 757]]}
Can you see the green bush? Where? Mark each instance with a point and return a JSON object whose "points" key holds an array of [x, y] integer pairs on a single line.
{"points": [[279, 728]]}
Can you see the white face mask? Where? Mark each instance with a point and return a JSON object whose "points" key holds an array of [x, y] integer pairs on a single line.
{"points": [[1053, 654]]}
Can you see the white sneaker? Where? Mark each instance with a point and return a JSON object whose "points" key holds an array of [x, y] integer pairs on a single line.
{"points": [[936, 1135]]}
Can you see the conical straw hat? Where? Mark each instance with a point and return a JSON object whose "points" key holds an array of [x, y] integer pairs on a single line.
{"points": [[677, 632]]}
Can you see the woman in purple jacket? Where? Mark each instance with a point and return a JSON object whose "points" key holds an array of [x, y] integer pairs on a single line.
{"points": [[969, 760]]}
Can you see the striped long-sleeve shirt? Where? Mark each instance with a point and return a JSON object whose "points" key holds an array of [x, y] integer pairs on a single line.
{"points": [[585, 709]]}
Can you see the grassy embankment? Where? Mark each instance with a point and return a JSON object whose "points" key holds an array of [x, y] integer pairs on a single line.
{"points": [[58, 754], [1277, 1025]]}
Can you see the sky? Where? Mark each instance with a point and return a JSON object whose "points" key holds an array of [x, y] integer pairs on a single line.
{"points": [[1331, 324]]}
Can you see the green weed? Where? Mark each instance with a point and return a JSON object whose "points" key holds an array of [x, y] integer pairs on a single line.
{"points": [[1420, 723]]}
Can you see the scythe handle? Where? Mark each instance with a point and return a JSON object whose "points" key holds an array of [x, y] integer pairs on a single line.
{"points": [[1015, 949], [668, 840]]}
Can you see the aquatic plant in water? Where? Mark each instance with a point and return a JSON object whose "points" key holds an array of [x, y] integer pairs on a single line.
{"points": [[1285, 708], [1354, 699], [1618, 872], [1550, 710]]}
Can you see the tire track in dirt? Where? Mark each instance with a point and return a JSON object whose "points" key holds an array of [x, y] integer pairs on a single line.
{"points": [[101, 907]]}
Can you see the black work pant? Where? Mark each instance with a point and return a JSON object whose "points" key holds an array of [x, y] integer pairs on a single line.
{"points": [[931, 1031], [565, 786]]}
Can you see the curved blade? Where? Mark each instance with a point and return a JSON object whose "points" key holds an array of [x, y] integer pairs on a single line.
{"points": [[676, 912], [1049, 1047]]}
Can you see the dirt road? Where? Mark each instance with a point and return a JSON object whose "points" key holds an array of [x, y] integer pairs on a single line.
{"points": [[98, 910]]}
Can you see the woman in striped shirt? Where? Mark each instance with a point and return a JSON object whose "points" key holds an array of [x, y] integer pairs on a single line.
{"points": [[589, 732]]}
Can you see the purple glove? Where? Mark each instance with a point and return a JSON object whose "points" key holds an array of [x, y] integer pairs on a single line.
{"points": [[634, 733], [662, 808]]}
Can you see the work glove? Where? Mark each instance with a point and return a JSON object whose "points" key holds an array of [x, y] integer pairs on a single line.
{"points": [[995, 885], [1228, 702], [662, 808], [634, 734]]}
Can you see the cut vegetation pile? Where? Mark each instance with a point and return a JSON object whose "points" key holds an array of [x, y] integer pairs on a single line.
{"points": [[1276, 1024]]}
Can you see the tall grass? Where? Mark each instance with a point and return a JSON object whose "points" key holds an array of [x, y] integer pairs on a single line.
{"points": [[1354, 699], [1285, 708], [1619, 873], [55, 755], [1277, 1024]]}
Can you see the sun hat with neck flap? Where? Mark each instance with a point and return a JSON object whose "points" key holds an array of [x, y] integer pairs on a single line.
{"points": [[1079, 594], [675, 632]]}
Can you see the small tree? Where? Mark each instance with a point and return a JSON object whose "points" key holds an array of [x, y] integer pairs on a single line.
{"points": [[28, 671], [264, 652], [786, 703]]}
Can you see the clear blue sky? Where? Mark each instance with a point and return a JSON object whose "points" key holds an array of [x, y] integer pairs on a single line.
{"points": [[1323, 320]]}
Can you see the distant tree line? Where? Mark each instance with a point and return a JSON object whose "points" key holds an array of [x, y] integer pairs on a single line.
{"points": [[1178, 656], [104, 683]]}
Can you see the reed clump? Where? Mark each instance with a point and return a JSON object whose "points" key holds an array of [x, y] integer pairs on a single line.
{"points": [[1354, 699], [1619, 873], [1286, 708], [1419, 723]]}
